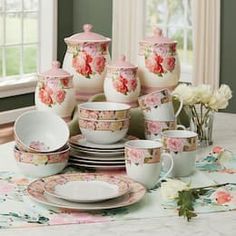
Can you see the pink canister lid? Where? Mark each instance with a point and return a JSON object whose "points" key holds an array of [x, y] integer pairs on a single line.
{"points": [[86, 36], [158, 37], [121, 63], [55, 71]]}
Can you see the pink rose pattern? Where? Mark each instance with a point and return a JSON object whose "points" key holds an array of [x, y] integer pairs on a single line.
{"points": [[223, 197], [39, 146], [89, 59], [155, 127], [175, 144], [126, 81], [52, 91], [160, 59]]}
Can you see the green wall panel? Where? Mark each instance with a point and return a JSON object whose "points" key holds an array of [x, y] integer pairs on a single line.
{"points": [[228, 49]]}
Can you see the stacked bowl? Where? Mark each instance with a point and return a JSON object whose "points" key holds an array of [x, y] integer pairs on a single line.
{"points": [[104, 122], [41, 143]]}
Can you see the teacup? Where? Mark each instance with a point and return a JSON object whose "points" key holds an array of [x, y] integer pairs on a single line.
{"points": [[143, 160], [158, 106], [154, 128], [182, 145]]}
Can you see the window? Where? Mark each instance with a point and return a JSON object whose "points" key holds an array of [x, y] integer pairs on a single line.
{"points": [[27, 43], [175, 18]]}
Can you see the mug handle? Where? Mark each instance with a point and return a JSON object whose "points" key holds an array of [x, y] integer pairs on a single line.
{"points": [[164, 155], [181, 127], [180, 105]]}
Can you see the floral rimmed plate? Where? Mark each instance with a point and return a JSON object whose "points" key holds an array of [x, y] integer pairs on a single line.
{"points": [[96, 158], [83, 187], [115, 162], [98, 166], [80, 140], [37, 193]]}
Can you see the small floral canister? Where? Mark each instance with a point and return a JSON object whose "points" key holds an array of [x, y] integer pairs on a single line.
{"points": [[158, 63], [122, 83], [86, 58], [55, 91]]}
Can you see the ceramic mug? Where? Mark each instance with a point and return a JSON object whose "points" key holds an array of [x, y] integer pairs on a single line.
{"points": [[158, 105], [182, 145], [143, 160], [154, 128]]}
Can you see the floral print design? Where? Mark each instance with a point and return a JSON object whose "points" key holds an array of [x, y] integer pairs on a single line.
{"points": [[89, 59], [156, 127], [104, 125], [38, 146], [159, 58], [142, 156], [154, 99], [103, 115], [52, 91], [124, 80], [175, 144]]}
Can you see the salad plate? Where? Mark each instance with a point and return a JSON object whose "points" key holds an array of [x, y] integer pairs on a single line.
{"points": [[36, 191], [118, 162], [97, 158], [86, 188], [97, 166]]}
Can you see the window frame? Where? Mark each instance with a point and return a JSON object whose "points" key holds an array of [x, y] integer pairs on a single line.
{"points": [[17, 85]]}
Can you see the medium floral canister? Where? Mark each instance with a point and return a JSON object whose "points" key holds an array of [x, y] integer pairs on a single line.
{"points": [[122, 83], [158, 63], [55, 91], [86, 58]]}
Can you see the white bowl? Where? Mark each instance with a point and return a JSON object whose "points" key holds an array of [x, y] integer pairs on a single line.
{"points": [[104, 111], [38, 165], [40, 131], [103, 131]]}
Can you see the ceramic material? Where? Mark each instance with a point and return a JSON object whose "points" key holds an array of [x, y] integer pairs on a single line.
{"points": [[143, 159], [40, 131], [41, 164], [86, 58], [80, 141], [182, 144], [158, 63], [122, 83], [95, 162], [105, 167], [55, 91], [97, 158], [84, 188], [104, 111], [103, 131], [37, 193], [158, 106]]}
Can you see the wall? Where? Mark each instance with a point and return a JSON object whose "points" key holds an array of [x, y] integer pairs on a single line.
{"points": [[228, 49]]}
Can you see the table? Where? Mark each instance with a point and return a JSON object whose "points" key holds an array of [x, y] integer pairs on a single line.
{"points": [[205, 224]]}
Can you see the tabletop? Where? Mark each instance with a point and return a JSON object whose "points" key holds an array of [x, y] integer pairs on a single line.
{"points": [[222, 223]]}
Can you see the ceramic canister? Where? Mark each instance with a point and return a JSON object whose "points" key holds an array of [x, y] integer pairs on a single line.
{"points": [[158, 63], [86, 58], [122, 83], [55, 91]]}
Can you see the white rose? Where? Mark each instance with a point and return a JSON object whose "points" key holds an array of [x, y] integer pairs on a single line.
{"points": [[170, 189], [218, 101], [187, 93], [203, 93], [226, 91]]}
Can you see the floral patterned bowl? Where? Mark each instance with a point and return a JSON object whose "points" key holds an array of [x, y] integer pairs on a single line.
{"points": [[103, 131], [41, 164], [104, 111], [40, 131]]}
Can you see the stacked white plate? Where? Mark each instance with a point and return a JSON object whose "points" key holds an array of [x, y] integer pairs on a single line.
{"points": [[86, 191], [99, 156]]}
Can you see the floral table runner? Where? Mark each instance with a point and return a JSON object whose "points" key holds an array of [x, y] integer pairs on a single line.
{"points": [[17, 210]]}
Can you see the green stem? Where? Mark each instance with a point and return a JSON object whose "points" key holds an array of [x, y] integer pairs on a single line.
{"points": [[213, 186]]}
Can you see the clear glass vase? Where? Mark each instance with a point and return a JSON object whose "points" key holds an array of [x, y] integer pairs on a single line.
{"points": [[202, 123]]}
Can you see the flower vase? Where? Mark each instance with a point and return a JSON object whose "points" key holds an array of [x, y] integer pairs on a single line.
{"points": [[202, 123]]}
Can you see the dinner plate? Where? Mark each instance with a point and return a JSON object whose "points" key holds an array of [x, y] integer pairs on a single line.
{"points": [[96, 150], [96, 166], [92, 153], [119, 162], [97, 158], [83, 187], [79, 140], [37, 193]]}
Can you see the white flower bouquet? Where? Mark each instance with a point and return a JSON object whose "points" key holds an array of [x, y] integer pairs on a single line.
{"points": [[202, 102]]}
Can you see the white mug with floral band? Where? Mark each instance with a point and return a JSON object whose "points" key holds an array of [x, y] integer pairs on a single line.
{"points": [[182, 145], [154, 128], [143, 160], [158, 105]]}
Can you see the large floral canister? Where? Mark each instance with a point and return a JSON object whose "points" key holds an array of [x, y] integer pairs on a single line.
{"points": [[55, 91], [86, 58], [122, 83], [158, 63]]}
